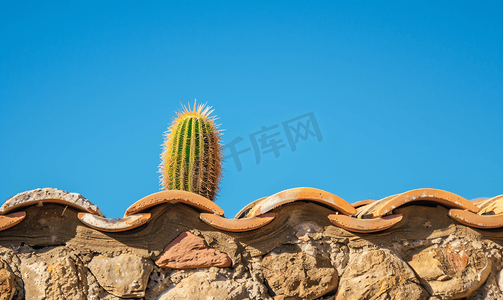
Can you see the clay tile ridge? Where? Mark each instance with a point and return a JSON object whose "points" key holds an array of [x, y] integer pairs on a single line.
{"points": [[388, 204]]}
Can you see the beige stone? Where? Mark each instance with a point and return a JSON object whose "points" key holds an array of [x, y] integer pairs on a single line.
{"points": [[67, 280], [53, 274], [500, 280], [452, 271], [489, 290], [205, 284], [7, 282], [299, 275], [124, 276], [379, 274]]}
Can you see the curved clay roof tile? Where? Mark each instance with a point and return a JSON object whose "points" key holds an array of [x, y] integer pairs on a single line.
{"points": [[363, 203], [387, 205], [174, 196], [49, 195], [492, 205], [245, 210], [302, 194], [479, 201], [364, 225], [113, 225], [10, 220], [236, 225], [366, 211], [475, 220]]}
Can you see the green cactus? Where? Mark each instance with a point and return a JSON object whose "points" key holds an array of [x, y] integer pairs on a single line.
{"points": [[191, 158]]}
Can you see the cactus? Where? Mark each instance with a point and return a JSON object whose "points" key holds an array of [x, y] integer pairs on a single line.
{"points": [[191, 158]]}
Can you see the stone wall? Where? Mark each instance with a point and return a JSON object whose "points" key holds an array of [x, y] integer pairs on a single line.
{"points": [[300, 254]]}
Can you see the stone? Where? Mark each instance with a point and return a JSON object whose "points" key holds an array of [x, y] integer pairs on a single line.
{"points": [[97, 292], [298, 275], [451, 271], [379, 274], [7, 282], [67, 280], [211, 283], [53, 274], [124, 276], [489, 290], [189, 251]]}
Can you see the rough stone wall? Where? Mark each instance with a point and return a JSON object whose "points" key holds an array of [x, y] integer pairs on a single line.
{"points": [[299, 255]]}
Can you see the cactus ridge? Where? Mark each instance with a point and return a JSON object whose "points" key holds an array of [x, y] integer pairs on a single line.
{"points": [[191, 157]]}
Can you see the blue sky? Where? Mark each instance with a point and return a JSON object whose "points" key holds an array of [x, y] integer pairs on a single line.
{"points": [[405, 94]]}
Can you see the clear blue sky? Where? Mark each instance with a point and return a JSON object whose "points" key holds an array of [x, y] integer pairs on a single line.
{"points": [[406, 95]]}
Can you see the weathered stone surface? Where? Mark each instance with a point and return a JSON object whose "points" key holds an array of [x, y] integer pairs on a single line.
{"points": [[124, 276], [451, 271], [53, 274], [49, 251], [489, 290], [379, 274], [67, 280], [96, 291], [298, 275], [206, 283], [189, 251], [7, 282], [209, 283], [13, 262]]}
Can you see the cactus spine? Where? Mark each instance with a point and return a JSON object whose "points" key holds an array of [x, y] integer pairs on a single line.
{"points": [[191, 158]]}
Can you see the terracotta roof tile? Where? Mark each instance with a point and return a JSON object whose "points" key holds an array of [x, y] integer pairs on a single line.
{"points": [[366, 211], [363, 216], [363, 203], [475, 220], [49, 195], [237, 225], [113, 225], [364, 225], [10, 220], [245, 210], [174, 196], [491, 206], [302, 194], [478, 201], [388, 204]]}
